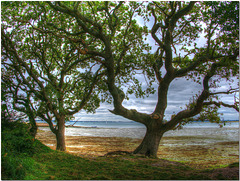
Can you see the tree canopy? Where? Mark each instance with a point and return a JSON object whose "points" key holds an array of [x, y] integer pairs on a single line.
{"points": [[55, 64], [62, 50], [47, 71]]}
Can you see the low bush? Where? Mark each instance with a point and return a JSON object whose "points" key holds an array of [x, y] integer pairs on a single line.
{"points": [[17, 148]]}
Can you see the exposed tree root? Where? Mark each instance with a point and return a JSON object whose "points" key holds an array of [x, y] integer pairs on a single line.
{"points": [[115, 153]]}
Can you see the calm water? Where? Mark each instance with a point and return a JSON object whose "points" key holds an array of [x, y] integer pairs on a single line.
{"points": [[132, 124], [205, 132]]}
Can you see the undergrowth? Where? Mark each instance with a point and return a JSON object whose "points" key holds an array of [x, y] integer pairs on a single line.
{"points": [[17, 150]]}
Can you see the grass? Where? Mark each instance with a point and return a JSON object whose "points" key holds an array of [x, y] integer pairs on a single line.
{"points": [[23, 159], [56, 165], [63, 166]]}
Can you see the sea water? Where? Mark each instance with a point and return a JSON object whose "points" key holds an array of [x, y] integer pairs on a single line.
{"points": [[133, 124], [107, 124], [211, 131]]}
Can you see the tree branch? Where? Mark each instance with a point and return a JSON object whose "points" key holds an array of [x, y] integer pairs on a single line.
{"points": [[199, 102], [9, 46], [88, 92], [219, 104], [155, 28], [82, 21], [180, 14], [230, 91]]}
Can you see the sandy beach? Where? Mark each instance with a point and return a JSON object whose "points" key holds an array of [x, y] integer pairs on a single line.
{"points": [[198, 151]]}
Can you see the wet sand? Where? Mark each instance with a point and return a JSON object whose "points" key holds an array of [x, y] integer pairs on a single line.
{"points": [[199, 151]]}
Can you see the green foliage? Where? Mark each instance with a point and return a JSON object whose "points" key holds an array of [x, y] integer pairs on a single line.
{"points": [[71, 47], [225, 13], [17, 148], [47, 66], [235, 164], [57, 48], [16, 138]]}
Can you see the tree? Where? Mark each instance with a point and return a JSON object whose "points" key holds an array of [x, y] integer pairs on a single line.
{"points": [[50, 74], [10, 91], [114, 40], [8, 114], [177, 23]]}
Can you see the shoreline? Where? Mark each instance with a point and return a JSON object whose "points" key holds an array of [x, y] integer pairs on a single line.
{"points": [[97, 127], [66, 126], [186, 126], [186, 149], [201, 135]]}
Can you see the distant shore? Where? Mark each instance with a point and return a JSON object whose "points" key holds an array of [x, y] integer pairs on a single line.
{"points": [[46, 125], [43, 125], [120, 126]]}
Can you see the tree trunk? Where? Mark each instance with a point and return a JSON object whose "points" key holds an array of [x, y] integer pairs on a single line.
{"points": [[60, 135], [150, 143], [34, 128]]}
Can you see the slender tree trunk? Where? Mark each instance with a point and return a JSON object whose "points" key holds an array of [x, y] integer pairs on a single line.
{"points": [[60, 134], [34, 128], [150, 144]]}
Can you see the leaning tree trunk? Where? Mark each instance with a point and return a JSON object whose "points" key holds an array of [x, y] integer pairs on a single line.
{"points": [[150, 144], [60, 135]]}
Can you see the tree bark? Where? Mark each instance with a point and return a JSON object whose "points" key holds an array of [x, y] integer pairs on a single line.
{"points": [[150, 144], [60, 135], [33, 129]]}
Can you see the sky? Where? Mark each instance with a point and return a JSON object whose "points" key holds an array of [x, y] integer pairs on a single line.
{"points": [[180, 92]]}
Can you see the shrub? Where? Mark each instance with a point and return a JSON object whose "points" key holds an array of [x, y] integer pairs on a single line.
{"points": [[16, 138], [16, 147]]}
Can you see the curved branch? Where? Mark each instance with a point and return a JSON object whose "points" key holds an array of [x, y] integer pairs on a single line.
{"points": [[155, 28], [9, 46], [230, 91], [180, 14], [182, 72], [219, 104], [199, 102], [88, 92]]}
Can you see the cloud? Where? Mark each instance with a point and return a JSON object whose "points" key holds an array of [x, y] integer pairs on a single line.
{"points": [[180, 92]]}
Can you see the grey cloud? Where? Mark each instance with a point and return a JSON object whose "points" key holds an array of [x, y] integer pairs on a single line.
{"points": [[180, 92]]}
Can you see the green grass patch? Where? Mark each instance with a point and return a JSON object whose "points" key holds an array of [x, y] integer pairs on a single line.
{"points": [[63, 166], [235, 164]]}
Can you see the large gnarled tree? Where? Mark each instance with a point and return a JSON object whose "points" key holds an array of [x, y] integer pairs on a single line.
{"points": [[175, 23], [179, 24]]}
